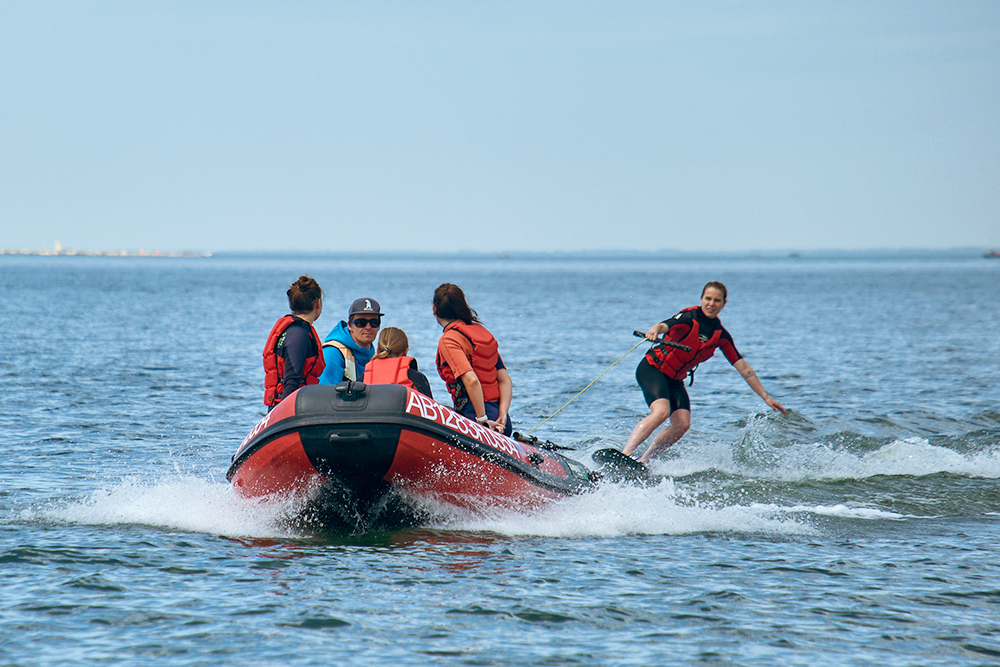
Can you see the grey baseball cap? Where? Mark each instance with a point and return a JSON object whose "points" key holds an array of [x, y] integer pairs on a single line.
{"points": [[364, 306]]}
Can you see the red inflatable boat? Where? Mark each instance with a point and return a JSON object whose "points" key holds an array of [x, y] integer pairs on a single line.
{"points": [[357, 451]]}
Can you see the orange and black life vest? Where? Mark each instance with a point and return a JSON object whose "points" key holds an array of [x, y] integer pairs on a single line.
{"points": [[485, 354], [389, 370], [274, 364], [675, 363]]}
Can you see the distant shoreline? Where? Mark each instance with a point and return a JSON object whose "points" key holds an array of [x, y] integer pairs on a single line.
{"points": [[102, 253], [625, 255], [537, 255]]}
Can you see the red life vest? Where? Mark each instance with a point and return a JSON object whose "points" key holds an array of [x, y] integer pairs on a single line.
{"points": [[274, 365], [675, 363], [483, 359], [389, 370]]}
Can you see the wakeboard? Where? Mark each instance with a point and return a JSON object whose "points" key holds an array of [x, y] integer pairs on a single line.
{"points": [[618, 467]]}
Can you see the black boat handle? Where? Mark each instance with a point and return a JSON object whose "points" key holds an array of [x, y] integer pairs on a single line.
{"points": [[663, 341], [348, 437]]}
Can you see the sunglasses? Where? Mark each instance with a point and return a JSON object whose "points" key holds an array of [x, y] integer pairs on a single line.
{"points": [[361, 322]]}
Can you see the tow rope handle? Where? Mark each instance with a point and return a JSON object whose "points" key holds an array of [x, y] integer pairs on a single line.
{"points": [[663, 341]]}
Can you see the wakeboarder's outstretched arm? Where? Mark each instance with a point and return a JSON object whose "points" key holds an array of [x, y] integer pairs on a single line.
{"points": [[751, 378]]}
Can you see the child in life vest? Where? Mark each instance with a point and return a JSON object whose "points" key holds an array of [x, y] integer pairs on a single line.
{"points": [[390, 365]]}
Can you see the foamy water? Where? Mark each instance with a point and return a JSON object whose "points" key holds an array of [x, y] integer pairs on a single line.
{"points": [[201, 506], [668, 508], [614, 511], [182, 503]]}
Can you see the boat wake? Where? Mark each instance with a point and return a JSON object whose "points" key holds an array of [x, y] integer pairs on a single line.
{"points": [[186, 503], [755, 485], [614, 510], [199, 506], [843, 457]]}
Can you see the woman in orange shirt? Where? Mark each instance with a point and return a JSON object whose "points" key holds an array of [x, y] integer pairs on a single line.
{"points": [[468, 360]]}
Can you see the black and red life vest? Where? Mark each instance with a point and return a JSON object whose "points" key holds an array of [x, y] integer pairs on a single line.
{"points": [[485, 354], [274, 364], [389, 370], [676, 364]]}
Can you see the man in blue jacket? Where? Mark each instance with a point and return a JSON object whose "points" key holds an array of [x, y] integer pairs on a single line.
{"points": [[351, 344]]}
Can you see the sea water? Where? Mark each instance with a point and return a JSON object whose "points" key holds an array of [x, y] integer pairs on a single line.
{"points": [[860, 528]]}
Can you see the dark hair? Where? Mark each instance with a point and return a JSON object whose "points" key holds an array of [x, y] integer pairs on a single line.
{"points": [[392, 342], [717, 285], [449, 304], [303, 294]]}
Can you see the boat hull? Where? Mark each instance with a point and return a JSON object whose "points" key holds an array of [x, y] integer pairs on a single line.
{"points": [[360, 453]]}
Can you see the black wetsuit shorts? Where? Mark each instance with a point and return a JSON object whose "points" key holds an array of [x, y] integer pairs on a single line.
{"points": [[656, 385]]}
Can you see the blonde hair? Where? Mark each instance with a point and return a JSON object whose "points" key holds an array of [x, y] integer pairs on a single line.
{"points": [[392, 342]]}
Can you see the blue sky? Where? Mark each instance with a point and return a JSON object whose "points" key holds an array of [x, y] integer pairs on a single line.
{"points": [[499, 125]]}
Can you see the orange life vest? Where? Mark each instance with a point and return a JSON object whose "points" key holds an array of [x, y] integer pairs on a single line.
{"points": [[676, 363], [483, 360], [389, 370], [274, 365]]}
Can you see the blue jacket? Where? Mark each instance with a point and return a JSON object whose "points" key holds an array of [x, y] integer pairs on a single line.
{"points": [[334, 371]]}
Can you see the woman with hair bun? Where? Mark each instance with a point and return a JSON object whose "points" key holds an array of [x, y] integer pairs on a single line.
{"points": [[293, 354], [468, 360], [390, 365]]}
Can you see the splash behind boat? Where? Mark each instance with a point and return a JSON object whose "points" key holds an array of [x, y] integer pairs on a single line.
{"points": [[357, 451]]}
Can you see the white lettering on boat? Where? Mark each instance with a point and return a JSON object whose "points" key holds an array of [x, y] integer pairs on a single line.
{"points": [[450, 420], [261, 425], [429, 409]]}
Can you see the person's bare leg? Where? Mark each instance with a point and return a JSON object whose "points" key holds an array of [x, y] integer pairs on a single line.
{"points": [[659, 410], [680, 422]]}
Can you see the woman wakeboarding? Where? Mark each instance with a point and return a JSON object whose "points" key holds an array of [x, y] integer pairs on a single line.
{"points": [[662, 371]]}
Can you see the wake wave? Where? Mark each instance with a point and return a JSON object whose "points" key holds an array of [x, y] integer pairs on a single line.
{"points": [[183, 503], [200, 506], [614, 510], [674, 507], [846, 458]]}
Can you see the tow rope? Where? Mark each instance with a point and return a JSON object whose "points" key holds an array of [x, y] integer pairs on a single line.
{"points": [[669, 343]]}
